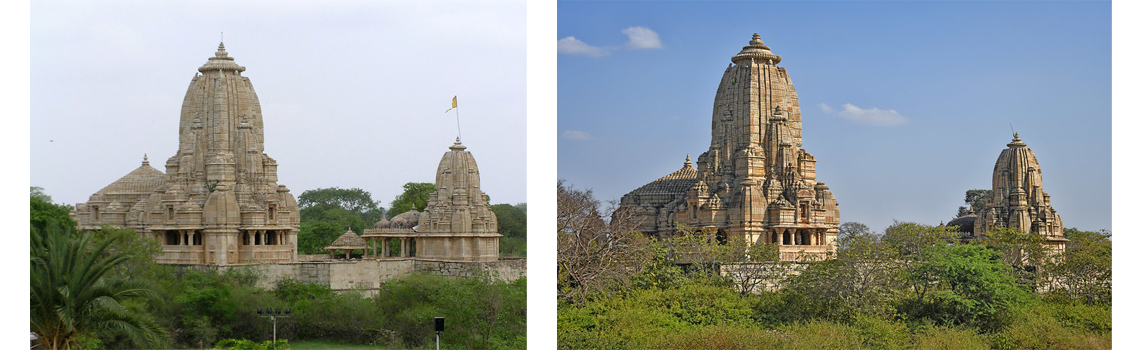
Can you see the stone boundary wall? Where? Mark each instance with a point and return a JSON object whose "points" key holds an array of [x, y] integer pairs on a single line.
{"points": [[505, 269], [369, 275]]}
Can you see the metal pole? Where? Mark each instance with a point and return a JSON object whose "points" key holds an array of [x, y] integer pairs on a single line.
{"points": [[274, 330], [436, 340]]}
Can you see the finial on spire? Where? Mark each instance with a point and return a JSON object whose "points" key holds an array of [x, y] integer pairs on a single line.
{"points": [[688, 163], [145, 161]]}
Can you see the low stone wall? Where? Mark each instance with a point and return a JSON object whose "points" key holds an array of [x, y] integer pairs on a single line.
{"points": [[505, 269], [369, 275]]}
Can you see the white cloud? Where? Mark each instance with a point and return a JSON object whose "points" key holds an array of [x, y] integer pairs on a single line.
{"points": [[572, 46], [873, 116], [577, 135], [641, 38]]}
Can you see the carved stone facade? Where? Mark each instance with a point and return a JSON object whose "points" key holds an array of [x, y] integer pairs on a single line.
{"points": [[219, 201], [1018, 200], [458, 223], [755, 182]]}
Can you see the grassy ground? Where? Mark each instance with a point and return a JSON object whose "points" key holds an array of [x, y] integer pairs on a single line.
{"points": [[322, 345]]}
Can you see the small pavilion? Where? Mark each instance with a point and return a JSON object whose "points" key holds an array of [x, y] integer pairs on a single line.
{"points": [[347, 242]]}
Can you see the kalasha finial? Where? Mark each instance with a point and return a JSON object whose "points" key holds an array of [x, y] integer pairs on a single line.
{"points": [[145, 161], [756, 39], [688, 163]]}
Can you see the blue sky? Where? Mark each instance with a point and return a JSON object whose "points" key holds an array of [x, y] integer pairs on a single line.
{"points": [[905, 105]]}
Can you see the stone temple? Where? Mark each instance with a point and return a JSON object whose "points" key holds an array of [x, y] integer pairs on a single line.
{"points": [[219, 201], [456, 224], [755, 182], [1017, 200]]}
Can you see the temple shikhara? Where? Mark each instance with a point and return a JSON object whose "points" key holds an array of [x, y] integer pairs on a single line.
{"points": [[457, 223], [1017, 200], [219, 201], [755, 182]]}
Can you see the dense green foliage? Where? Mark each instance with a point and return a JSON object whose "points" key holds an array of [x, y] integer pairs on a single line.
{"points": [[326, 213], [76, 298], [415, 196], [512, 225], [102, 289], [909, 287]]}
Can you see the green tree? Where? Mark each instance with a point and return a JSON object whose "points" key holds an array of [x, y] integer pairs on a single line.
{"points": [[864, 277], [46, 215], [415, 196], [964, 284], [316, 235], [315, 203], [72, 296], [1083, 272], [512, 225], [975, 201], [38, 192]]}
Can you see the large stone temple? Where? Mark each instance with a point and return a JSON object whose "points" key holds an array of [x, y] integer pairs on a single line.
{"points": [[1017, 200], [457, 223], [755, 182], [219, 201]]}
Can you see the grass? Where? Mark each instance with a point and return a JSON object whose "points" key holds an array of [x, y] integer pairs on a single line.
{"points": [[323, 345]]}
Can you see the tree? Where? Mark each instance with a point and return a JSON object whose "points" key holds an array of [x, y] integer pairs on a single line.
{"points": [[976, 200], [415, 196], [354, 200], [864, 277], [512, 225], [595, 257], [46, 215], [38, 192], [72, 296], [1083, 272], [327, 212], [512, 219], [316, 235], [964, 284]]}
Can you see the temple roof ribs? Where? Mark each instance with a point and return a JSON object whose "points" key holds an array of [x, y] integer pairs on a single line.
{"points": [[218, 183], [1018, 199], [755, 180]]}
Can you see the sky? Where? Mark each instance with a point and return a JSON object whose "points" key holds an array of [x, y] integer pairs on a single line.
{"points": [[352, 95], [905, 105]]}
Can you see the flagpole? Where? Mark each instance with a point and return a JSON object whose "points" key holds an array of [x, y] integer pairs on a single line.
{"points": [[457, 126]]}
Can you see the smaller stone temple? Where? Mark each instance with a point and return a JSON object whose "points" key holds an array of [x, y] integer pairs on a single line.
{"points": [[1017, 201], [457, 223]]}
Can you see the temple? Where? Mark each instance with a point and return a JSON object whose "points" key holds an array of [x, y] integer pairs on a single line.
{"points": [[457, 223], [755, 182], [219, 201], [1017, 200]]}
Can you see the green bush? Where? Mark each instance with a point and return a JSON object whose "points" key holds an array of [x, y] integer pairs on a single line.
{"points": [[243, 344], [948, 338], [879, 333]]}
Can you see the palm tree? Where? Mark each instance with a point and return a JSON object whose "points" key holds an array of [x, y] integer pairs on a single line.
{"points": [[70, 296]]}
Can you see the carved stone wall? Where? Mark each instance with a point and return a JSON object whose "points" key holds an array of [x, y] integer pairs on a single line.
{"points": [[219, 201], [755, 182]]}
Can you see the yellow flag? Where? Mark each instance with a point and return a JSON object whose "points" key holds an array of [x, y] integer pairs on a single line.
{"points": [[454, 104]]}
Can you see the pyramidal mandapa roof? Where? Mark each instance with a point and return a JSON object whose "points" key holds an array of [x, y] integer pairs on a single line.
{"points": [[143, 180], [349, 240]]}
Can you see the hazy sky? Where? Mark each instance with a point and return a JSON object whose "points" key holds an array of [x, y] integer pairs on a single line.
{"points": [[352, 95], [905, 105]]}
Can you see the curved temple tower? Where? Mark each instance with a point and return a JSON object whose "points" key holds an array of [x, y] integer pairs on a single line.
{"points": [[219, 201], [1018, 200], [755, 182], [457, 223]]}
